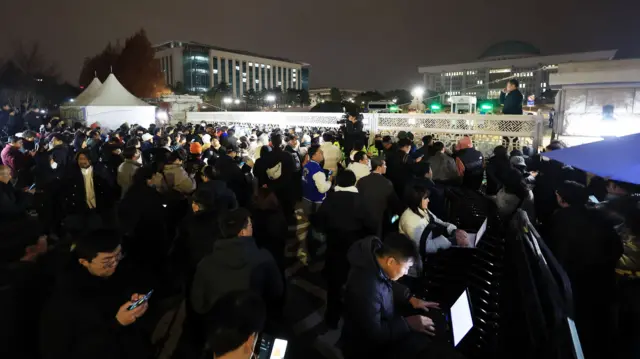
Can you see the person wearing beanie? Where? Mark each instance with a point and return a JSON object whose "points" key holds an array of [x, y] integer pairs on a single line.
{"points": [[195, 148], [206, 142]]}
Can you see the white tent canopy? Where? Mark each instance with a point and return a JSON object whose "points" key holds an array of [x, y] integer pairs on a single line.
{"points": [[111, 105], [89, 93]]}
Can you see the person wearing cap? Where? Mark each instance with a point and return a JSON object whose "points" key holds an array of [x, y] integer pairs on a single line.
{"points": [[388, 147], [520, 164]]}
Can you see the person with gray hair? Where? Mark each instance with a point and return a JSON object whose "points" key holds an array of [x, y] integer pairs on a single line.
{"points": [[13, 202]]}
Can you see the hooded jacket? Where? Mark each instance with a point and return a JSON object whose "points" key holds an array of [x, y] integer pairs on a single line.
{"points": [[235, 264], [371, 324]]}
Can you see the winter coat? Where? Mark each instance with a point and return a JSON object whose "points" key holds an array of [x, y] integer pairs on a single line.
{"points": [[126, 170], [371, 323], [444, 168], [379, 197], [359, 170], [174, 177], [74, 194], [344, 219], [14, 159], [512, 102], [79, 321], [235, 264], [413, 226]]}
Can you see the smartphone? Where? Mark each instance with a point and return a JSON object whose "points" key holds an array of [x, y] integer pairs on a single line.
{"points": [[394, 218], [268, 347], [593, 199], [140, 301], [32, 187]]}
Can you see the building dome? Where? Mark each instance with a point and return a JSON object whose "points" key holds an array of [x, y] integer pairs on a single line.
{"points": [[509, 49]]}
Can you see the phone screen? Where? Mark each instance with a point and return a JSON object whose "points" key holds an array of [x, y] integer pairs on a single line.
{"points": [[140, 301], [593, 199], [394, 218], [269, 347]]}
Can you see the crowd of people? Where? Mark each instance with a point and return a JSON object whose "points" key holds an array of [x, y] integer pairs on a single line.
{"points": [[94, 220]]}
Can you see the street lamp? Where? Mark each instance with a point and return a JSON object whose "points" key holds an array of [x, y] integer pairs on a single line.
{"points": [[227, 100], [237, 101], [395, 100], [417, 91], [71, 100], [271, 98]]}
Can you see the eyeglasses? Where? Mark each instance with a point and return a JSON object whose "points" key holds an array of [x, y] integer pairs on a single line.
{"points": [[112, 262]]}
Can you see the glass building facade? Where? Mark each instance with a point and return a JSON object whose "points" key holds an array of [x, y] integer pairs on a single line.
{"points": [[196, 71]]}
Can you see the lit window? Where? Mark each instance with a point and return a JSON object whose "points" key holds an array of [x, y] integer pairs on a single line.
{"points": [[215, 71], [257, 65], [257, 81], [244, 80], [294, 70], [244, 74], [251, 64], [238, 68], [279, 83], [499, 71], [294, 80], [262, 65], [523, 85], [268, 66]]}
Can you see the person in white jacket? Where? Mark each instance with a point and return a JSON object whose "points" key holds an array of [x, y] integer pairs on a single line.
{"points": [[360, 166], [415, 220], [332, 154]]}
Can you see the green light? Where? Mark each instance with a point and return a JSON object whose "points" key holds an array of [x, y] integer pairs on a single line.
{"points": [[436, 107], [487, 106]]}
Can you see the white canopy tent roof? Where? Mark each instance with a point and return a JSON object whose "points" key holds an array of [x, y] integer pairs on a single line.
{"points": [[110, 105], [112, 93], [89, 93]]}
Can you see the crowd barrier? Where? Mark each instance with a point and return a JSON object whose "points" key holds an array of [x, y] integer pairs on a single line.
{"points": [[487, 131]]}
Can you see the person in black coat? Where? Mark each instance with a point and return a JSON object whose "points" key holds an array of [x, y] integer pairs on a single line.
{"points": [[88, 315], [344, 219], [373, 326], [82, 212], [511, 98], [13, 202], [5, 114], [235, 176], [497, 167], [379, 196], [283, 184], [399, 166], [586, 244], [270, 228], [423, 178]]}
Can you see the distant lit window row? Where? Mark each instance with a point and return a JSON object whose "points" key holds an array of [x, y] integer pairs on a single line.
{"points": [[499, 71], [523, 74]]}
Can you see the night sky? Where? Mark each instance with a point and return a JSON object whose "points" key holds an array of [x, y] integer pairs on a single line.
{"points": [[359, 44]]}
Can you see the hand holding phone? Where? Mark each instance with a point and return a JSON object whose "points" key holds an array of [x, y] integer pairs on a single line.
{"points": [[130, 311]]}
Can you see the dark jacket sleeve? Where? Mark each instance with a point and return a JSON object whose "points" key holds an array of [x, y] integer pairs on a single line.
{"points": [[56, 331], [267, 276], [368, 313]]}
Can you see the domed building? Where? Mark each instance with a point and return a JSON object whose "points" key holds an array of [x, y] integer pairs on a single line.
{"points": [[485, 77]]}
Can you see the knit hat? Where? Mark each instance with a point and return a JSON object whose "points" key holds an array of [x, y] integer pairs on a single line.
{"points": [[195, 148], [206, 138], [147, 137]]}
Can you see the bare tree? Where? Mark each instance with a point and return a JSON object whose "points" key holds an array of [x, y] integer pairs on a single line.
{"points": [[32, 61]]}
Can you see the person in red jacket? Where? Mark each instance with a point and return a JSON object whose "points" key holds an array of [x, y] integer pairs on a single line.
{"points": [[12, 157]]}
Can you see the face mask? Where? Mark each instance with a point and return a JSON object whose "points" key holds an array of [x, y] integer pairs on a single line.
{"points": [[54, 165]]}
